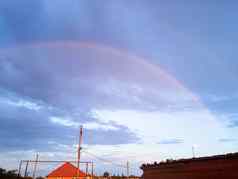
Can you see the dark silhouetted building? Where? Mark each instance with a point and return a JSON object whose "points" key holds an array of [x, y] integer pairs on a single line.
{"points": [[214, 167]]}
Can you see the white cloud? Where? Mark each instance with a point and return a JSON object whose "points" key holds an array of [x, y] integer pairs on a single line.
{"points": [[64, 122], [193, 126], [21, 103], [95, 125], [68, 122]]}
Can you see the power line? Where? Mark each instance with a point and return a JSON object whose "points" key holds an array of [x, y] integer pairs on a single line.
{"points": [[104, 160], [108, 161], [53, 161]]}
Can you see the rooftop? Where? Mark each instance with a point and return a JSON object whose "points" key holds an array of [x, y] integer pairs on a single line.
{"points": [[171, 162], [66, 170]]}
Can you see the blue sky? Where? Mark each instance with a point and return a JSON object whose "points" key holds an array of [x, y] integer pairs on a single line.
{"points": [[148, 80]]}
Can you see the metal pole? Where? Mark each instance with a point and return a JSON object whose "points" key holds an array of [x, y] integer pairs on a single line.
{"points": [[92, 170], [25, 174], [80, 142], [87, 169], [79, 148], [34, 171], [19, 169], [127, 169]]}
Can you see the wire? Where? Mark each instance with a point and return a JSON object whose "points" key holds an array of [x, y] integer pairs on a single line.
{"points": [[107, 161], [104, 160]]}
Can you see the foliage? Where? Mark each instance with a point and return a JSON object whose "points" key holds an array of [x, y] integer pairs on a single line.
{"points": [[40, 178], [12, 174], [106, 174]]}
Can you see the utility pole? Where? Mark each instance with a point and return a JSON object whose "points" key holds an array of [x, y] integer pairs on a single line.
{"points": [[19, 169], [79, 149], [127, 169], [87, 169], [92, 170], [25, 174], [79, 145], [35, 165]]}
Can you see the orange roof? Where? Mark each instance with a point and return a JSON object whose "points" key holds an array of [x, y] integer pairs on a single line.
{"points": [[66, 170]]}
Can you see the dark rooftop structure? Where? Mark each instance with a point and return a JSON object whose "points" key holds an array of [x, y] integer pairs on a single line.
{"points": [[217, 167]]}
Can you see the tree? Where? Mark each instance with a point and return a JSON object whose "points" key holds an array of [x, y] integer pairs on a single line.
{"points": [[106, 174], [40, 178], [10, 174]]}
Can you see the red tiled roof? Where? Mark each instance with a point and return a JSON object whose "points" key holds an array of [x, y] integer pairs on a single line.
{"points": [[66, 170]]}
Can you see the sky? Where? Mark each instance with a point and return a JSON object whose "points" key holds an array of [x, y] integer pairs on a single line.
{"points": [[147, 80]]}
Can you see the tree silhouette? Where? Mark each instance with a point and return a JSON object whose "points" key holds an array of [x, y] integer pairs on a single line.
{"points": [[11, 174], [106, 174]]}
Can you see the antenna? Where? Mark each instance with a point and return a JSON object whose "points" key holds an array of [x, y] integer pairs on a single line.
{"points": [[193, 151], [80, 143]]}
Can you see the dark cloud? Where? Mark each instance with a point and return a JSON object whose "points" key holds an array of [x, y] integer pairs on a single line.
{"points": [[22, 19], [26, 129], [110, 137], [32, 21], [80, 77], [19, 77], [23, 128], [71, 80]]}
